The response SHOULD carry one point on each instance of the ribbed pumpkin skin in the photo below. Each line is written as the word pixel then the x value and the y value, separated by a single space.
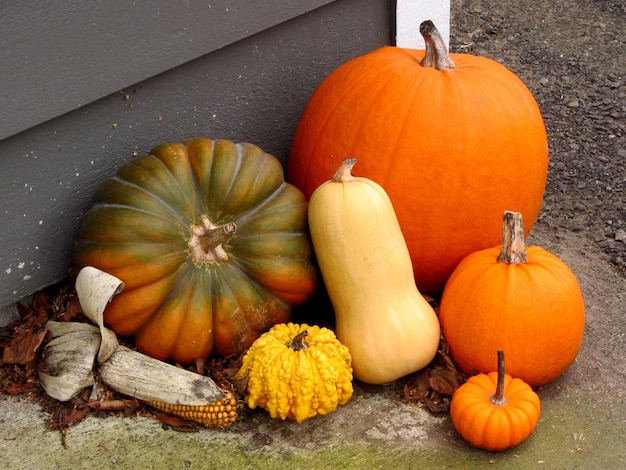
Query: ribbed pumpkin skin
pixel 139 229
pixel 489 426
pixel 459 140
pixel 534 311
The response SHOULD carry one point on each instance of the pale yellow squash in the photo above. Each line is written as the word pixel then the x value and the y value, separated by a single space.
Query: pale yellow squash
pixel 388 326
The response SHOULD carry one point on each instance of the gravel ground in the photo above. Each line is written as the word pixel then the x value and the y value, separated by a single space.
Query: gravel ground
pixel 572 56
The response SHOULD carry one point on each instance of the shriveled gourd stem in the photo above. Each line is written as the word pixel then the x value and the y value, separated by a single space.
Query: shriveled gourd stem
pixel 513 246
pixel 298 343
pixel 343 173
pixel 207 239
pixel 214 237
pixel 511 252
pixel 498 398
pixel 437 55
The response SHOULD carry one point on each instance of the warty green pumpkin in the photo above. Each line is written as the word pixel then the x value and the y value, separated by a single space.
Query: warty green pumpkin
pixel 210 241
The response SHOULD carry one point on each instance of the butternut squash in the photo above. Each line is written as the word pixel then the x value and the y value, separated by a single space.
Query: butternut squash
pixel 388 326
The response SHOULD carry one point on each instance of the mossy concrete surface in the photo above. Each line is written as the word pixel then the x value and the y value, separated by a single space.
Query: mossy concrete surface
pixel 582 424
pixel 576 430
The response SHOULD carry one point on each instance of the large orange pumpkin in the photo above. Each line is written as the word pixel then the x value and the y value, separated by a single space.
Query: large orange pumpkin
pixel 438 138
pixel 525 301
pixel 210 241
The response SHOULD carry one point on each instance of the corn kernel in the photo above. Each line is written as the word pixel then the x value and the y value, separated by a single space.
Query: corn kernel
pixel 216 415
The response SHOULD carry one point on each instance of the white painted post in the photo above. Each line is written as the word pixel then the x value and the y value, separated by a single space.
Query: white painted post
pixel 409 15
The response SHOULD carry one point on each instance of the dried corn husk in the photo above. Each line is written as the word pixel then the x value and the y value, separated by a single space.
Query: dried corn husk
pixel 69 359
pixel 148 379
pixel 77 348
pixel 95 289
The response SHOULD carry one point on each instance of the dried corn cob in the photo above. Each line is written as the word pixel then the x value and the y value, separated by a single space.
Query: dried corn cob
pixel 70 357
pixel 218 415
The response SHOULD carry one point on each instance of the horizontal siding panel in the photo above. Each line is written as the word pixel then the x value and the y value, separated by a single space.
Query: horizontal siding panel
pixel 252 90
pixel 59 55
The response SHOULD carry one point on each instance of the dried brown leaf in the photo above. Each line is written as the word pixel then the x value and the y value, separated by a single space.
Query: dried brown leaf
pixel 437 405
pixel 177 424
pixel 114 405
pixel 444 380
pixel 67 417
pixel 22 350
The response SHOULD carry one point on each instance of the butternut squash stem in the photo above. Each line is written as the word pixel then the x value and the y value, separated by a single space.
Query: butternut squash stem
pixel 498 398
pixel 298 343
pixel 437 55
pixel 343 173
pixel 513 247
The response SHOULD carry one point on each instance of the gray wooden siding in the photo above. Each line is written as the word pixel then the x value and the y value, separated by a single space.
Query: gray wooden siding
pixel 57 56
pixel 86 85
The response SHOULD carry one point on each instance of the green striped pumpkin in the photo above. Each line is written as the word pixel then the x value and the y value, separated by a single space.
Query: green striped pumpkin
pixel 210 241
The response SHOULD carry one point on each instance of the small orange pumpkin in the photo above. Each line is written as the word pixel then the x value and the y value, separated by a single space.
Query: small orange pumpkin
pixel 440 132
pixel 495 411
pixel 525 301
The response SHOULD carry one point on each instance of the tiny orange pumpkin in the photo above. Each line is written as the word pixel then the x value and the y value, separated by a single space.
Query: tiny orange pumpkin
pixel 495 411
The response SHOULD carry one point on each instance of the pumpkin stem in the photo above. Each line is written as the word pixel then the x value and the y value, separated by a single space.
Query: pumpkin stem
pixel 343 173
pixel 207 239
pixel 513 246
pixel 498 398
pixel 298 343
pixel 437 55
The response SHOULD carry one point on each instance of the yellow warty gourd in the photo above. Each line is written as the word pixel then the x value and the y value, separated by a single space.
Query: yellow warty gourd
pixel 297 371
pixel 388 326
